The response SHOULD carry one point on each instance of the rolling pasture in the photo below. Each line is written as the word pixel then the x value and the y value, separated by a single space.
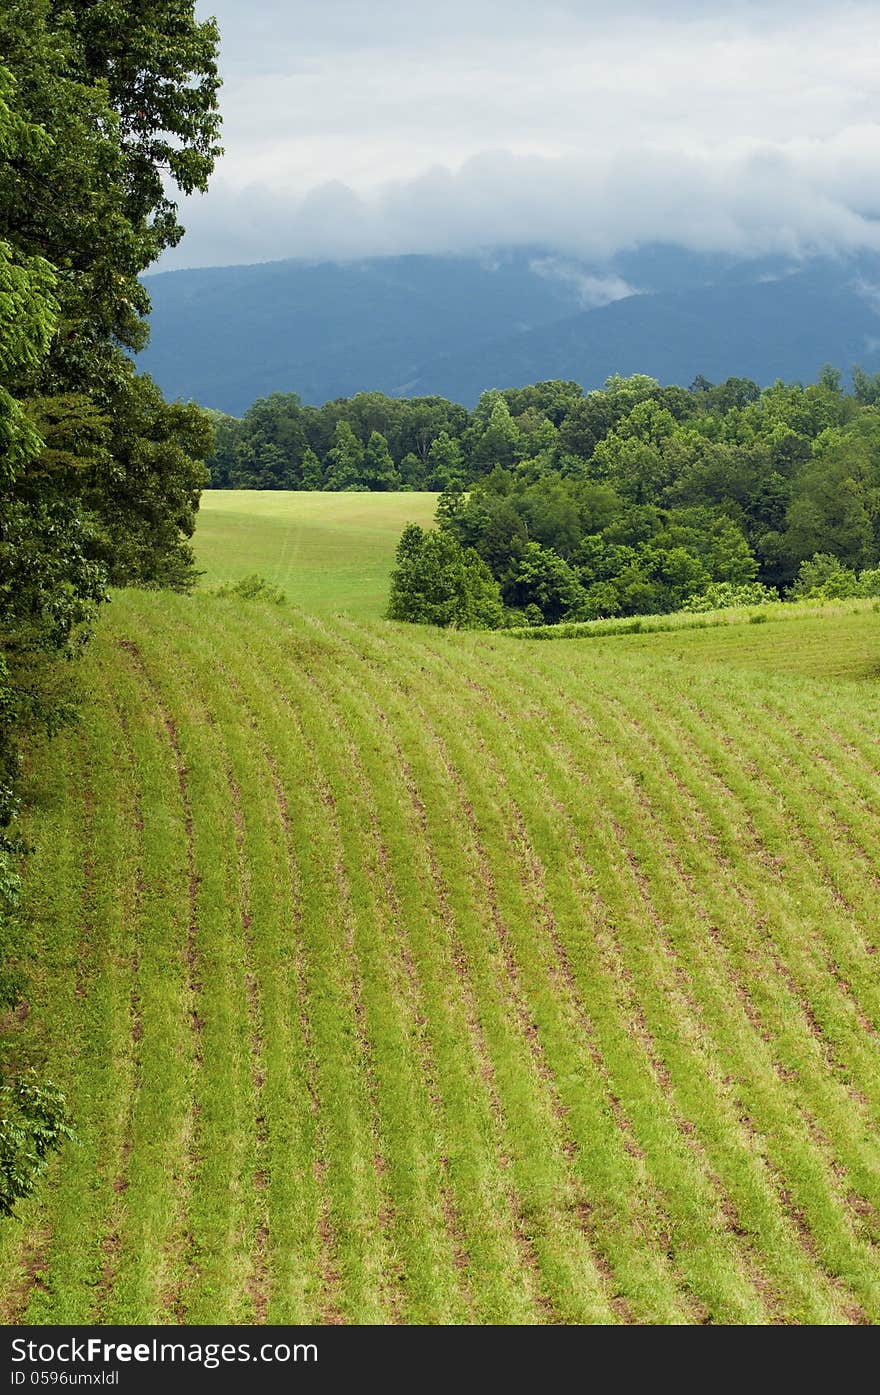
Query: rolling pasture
pixel 327 551
pixel 405 976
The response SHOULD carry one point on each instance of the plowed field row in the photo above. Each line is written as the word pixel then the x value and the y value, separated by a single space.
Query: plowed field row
pixel 396 976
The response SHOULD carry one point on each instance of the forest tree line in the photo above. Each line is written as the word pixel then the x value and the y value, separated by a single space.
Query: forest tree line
pixel 104 109
pixel 559 504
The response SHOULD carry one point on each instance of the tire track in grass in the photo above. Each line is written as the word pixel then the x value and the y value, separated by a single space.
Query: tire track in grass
pixel 180 771
pixel 306 1273
pixel 347 1226
pixel 851 877
pixel 477 1205
pixel 367 1259
pixel 426 1277
pixel 682 996
pixel 852 932
pixel 470 1197
pixel 57 1258
pixel 818 988
pixel 309 1068
pixel 748 1255
pixel 87 1018
pixel 814 848
pixel 738 801
pixel 784 825
pixel 210 1258
pixel 451 1219
pixel 760 909
pixel 638 1031
pixel 230 1222
pixel 529 1035
pixel 848 775
pixel 733 1216
pixel 331 1279
pixel 451 1215
pixel 290 1206
pixel 129 959
pixel 564 1253
pixel 26 1271
pixel 148 1153
pixel 528 1029
pixel 163 717
pixel 527 1258
pixel 387 1295
pixel 565 984
pixel 596 1122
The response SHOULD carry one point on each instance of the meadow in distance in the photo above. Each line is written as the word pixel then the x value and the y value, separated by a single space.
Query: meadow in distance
pixel 404 975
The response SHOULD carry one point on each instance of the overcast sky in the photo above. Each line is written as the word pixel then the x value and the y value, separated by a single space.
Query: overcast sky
pixel 363 127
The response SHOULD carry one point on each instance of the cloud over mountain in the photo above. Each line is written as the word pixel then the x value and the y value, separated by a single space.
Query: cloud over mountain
pixel 355 130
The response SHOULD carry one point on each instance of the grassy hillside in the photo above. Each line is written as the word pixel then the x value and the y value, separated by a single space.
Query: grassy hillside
pixel 805 638
pixel 327 551
pixel 400 976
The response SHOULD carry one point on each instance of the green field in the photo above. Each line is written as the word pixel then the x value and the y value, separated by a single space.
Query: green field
pixel 805 638
pixel 404 976
pixel 326 551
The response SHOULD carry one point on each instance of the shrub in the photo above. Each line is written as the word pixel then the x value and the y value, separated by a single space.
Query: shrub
pixel 252 588
pixel 33 1122
pixel 515 620
pixel 869 582
pixel 722 595
pixel 823 578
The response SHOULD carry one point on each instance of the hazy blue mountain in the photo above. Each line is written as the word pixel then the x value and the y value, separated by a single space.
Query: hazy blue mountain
pixel 226 335
pixel 457 325
pixel 786 328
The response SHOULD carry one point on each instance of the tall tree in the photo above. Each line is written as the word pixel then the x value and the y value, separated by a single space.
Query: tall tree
pixel 345 460
pixel 379 471
pixel 436 581
pixel 104 108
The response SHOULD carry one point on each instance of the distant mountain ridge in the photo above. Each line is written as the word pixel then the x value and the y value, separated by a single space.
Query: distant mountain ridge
pixel 455 326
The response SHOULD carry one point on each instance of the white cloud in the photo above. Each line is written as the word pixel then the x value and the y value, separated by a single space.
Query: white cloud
pixel 361 128
pixel 589 290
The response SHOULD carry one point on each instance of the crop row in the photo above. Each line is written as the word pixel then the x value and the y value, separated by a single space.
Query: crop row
pixel 406 977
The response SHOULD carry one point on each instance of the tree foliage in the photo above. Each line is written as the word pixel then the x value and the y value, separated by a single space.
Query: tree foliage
pixel 105 108
pixel 436 581
pixel 652 496
pixel 33 1122
pixel 642 499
